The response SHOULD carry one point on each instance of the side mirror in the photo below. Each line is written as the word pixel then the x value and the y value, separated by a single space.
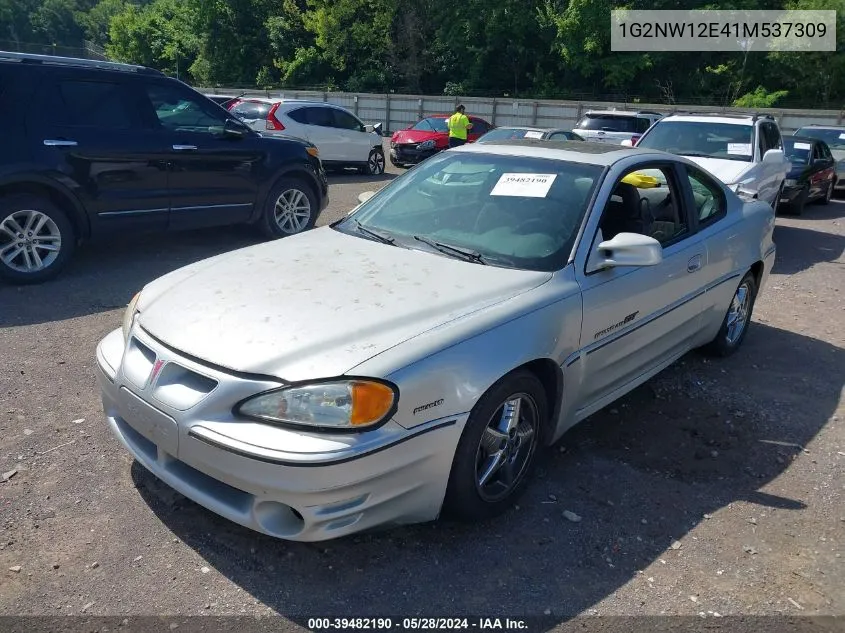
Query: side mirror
pixel 234 129
pixel 364 196
pixel 377 128
pixel 773 156
pixel 627 143
pixel 626 249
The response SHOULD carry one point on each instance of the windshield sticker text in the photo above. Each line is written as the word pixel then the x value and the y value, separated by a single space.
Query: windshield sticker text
pixel 428 406
pixel 525 185
pixel 533 135
pixel 616 326
pixel 802 146
pixel 741 149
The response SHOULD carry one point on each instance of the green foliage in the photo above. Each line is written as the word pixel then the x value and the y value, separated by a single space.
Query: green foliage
pixel 760 98
pixel 526 48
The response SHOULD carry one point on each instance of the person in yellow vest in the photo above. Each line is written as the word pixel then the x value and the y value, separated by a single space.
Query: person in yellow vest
pixel 458 125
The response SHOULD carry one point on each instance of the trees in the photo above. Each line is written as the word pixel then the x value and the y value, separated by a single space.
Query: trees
pixel 527 48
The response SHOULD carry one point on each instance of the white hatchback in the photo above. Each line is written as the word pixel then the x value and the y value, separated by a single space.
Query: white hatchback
pixel 342 138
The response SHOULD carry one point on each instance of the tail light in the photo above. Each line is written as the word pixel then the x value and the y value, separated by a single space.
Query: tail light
pixel 231 104
pixel 272 122
pixel 635 138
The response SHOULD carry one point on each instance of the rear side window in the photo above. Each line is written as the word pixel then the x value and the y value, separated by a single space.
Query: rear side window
pixel 251 110
pixel 300 115
pixel 608 123
pixel 643 125
pixel 91 104
pixel 479 126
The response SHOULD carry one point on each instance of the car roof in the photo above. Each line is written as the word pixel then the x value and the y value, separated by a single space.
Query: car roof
pixel 527 128
pixel 816 126
pixel 801 139
pixel 738 119
pixel 601 154
pixel 621 113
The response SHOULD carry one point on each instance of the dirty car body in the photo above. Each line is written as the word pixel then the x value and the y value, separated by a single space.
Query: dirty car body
pixel 416 355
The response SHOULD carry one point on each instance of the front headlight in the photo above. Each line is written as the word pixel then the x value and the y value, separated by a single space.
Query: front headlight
pixel 129 316
pixel 426 145
pixel 743 192
pixel 789 183
pixel 352 404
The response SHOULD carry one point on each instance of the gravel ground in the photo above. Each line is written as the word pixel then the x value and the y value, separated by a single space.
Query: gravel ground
pixel 716 488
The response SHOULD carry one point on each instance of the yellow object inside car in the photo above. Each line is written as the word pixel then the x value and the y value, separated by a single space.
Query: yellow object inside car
pixel 641 181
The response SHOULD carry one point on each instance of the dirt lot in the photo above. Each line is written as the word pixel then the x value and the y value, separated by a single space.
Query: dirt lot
pixel 717 488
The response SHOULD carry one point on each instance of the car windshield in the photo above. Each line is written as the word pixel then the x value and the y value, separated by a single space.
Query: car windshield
pixel 835 139
pixel 608 123
pixel 798 152
pixel 508 211
pixel 506 133
pixel 728 141
pixel 432 124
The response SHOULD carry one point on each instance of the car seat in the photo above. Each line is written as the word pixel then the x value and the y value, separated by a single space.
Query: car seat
pixel 626 212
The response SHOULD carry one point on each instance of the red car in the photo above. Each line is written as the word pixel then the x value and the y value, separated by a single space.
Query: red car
pixel 427 137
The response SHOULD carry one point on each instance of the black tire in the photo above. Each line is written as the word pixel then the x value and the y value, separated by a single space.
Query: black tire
pixel 724 345
pixel 57 230
pixel 797 207
pixel 467 500
pixel 825 199
pixel 375 163
pixel 275 224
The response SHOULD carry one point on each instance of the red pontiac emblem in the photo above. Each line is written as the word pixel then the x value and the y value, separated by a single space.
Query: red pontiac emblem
pixel 156 369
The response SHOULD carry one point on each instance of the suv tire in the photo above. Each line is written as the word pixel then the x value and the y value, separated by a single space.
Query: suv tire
pixel 375 163
pixel 36 239
pixel 290 208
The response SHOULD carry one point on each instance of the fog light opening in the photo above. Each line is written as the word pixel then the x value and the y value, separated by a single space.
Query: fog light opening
pixel 278 519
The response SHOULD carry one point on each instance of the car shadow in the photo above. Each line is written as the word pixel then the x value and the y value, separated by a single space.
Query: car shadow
pixel 641 474
pixel 104 276
pixel 801 248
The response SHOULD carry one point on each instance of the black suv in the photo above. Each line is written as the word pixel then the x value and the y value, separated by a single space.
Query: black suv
pixel 97 148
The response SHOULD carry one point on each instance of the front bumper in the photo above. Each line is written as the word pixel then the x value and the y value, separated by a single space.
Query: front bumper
pixel 408 154
pixel 287 483
pixel 790 195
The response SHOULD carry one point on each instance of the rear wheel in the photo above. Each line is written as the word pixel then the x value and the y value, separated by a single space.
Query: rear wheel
pixel 737 319
pixel 36 239
pixel 497 451
pixel 290 208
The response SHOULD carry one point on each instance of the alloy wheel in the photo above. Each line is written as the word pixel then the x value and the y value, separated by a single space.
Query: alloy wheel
pixel 506 447
pixel 292 211
pixel 376 163
pixel 30 241
pixel 737 317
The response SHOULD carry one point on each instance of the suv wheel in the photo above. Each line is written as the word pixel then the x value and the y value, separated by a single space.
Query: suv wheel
pixel 291 208
pixel 36 239
pixel 375 163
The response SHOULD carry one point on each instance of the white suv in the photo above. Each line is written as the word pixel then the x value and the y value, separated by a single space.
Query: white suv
pixel 342 139
pixel 614 126
pixel 745 151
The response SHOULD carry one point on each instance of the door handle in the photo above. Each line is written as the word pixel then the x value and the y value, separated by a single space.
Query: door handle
pixel 694 264
pixel 50 142
pixel 184 148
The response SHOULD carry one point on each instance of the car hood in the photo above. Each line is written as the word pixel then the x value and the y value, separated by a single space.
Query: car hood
pixel 728 171
pixel 416 136
pixel 316 304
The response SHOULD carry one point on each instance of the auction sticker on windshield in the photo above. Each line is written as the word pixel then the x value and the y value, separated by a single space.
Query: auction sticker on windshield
pixel 524 185
pixel 802 146
pixel 743 149
pixel 534 135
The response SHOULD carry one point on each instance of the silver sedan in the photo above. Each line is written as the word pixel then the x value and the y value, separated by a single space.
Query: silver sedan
pixel 412 359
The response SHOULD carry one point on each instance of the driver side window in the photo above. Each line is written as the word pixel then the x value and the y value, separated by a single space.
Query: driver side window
pixel 178 110
pixel 710 203
pixel 645 201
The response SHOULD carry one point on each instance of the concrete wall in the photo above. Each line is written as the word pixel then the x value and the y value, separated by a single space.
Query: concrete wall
pixel 399 111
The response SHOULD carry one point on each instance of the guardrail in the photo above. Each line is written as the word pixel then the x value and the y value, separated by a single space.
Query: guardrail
pixel 398 111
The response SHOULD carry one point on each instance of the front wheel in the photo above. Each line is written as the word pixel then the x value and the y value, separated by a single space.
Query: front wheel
pixel 375 163
pixel 497 451
pixel 290 208
pixel 36 239
pixel 829 194
pixel 737 319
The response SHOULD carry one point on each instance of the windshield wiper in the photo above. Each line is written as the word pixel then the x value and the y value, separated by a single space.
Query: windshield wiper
pixel 463 253
pixel 695 154
pixel 381 237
